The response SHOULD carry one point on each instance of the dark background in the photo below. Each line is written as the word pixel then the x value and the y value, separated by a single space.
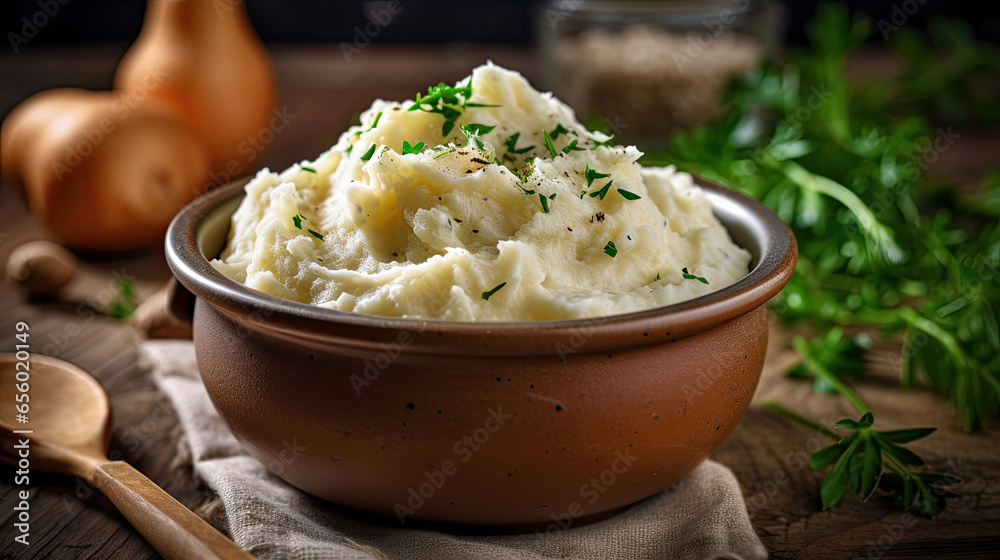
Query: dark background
pixel 442 21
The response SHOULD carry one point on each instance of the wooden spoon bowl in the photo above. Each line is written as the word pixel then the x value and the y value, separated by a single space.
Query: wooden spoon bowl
pixel 68 430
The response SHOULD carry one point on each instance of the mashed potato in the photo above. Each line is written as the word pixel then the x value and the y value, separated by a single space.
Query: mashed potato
pixel 454 207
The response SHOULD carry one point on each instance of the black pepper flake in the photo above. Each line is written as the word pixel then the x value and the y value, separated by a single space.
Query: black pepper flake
pixel 395 254
pixel 558 408
pixel 409 406
pixel 479 160
pixel 467 171
pixel 475 231
pixel 569 228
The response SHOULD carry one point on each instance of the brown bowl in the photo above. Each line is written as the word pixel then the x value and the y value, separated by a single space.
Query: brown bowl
pixel 480 423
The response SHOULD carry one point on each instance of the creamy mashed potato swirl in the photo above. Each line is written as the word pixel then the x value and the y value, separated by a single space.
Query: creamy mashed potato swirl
pixel 466 222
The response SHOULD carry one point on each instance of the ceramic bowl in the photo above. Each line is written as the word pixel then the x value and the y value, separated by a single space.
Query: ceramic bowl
pixel 550 422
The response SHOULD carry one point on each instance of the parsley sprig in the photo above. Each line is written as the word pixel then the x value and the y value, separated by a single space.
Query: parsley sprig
pixel 866 460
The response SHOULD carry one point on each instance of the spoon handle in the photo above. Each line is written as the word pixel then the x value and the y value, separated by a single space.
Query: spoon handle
pixel 173 530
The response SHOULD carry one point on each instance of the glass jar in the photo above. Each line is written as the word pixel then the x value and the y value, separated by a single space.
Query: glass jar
pixel 640 69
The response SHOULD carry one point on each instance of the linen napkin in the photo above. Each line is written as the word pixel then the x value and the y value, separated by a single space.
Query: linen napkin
pixel 701 517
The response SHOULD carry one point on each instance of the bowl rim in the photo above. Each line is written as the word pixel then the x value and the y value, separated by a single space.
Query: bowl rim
pixel 263 312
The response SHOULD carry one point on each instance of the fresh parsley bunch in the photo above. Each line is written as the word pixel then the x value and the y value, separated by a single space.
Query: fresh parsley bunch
pixel 881 247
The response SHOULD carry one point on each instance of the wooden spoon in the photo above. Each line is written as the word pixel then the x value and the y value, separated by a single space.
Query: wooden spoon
pixel 68 431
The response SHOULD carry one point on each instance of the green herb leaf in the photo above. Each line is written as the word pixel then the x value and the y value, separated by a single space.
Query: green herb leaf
pixel 609 143
pixel 610 249
pixel 408 149
pixel 631 196
pixel 685 274
pixel 548 144
pixel 511 142
pixel 545 203
pixel 124 303
pixel 487 295
pixel 906 435
pixel 297 220
pixel 560 129
pixel 602 192
pixel 315 234
pixel 309 169
pixel 368 155
pixel 572 147
pixel 374 124
pixel 444 153
pixel 476 129
pixel 591 175
pixel 658 277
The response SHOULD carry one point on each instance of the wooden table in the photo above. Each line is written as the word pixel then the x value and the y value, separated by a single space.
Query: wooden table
pixel 768 454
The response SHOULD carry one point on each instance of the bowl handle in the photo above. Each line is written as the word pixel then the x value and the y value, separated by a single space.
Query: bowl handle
pixel 180 301
pixel 167 313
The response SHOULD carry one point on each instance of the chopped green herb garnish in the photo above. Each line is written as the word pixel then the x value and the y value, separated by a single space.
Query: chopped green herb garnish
pixel 472 132
pixel 349 148
pixel 525 172
pixel 444 153
pixel 368 155
pixel 309 169
pixel 610 249
pixel 591 175
pixel 449 102
pixel 607 143
pixel 545 202
pixel 572 147
pixel 560 129
pixel 658 277
pixel 548 144
pixel 603 192
pixel 477 129
pixel 408 149
pixel 124 302
pixel 511 141
pixel 297 220
pixel 628 194
pixel 686 274
pixel 315 234
pixel 486 295
pixel 374 124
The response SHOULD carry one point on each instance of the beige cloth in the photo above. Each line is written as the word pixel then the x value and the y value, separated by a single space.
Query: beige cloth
pixel 701 517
